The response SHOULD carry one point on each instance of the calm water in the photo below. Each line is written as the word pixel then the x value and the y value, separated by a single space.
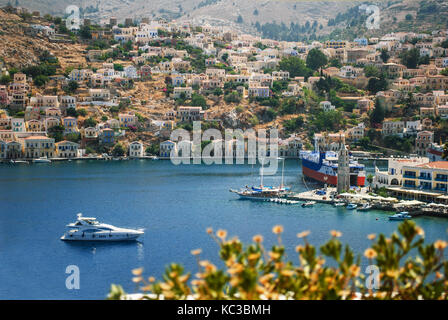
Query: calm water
pixel 175 204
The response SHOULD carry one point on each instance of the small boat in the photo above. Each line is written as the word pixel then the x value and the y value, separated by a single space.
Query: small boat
pixel 339 204
pixel 352 206
pixel 308 204
pixel 18 162
pixel 155 158
pixel 89 229
pixel 42 160
pixel 400 216
pixel 365 207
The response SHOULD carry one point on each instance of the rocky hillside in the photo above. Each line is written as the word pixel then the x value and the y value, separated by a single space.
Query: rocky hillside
pixel 286 20
pixel 21 50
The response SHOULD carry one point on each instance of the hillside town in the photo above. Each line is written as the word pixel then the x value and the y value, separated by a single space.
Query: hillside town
pixel 137 81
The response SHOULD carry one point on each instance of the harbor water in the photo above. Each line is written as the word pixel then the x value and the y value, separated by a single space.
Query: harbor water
pixel 174 204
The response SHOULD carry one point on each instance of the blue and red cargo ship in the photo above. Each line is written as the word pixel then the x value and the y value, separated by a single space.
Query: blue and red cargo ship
pixel 323 167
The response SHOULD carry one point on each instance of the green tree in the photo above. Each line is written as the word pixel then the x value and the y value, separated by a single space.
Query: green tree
pixel 316 59
pixel 197 100
pixel 153 149
pixel 71 87
pixel 85 32
pixel 371 71
pixel 5 79
pixel 118 150
pixel 384 55
pixel 40 80
pixel 377 84
pixel 334 62
pixel 82 112
pixel 295 66
pixel 378 114
pixel 370 180
pixel 410 58
pixel 232 97
pixel 90 122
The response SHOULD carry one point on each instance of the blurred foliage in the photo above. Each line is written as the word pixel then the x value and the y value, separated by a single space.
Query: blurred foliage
pixel 408 269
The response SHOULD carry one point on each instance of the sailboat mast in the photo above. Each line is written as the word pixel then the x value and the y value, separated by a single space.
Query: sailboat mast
pixel 283 168
pixel 262 166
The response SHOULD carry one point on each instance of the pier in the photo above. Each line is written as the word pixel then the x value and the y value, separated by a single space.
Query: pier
pixel 362 196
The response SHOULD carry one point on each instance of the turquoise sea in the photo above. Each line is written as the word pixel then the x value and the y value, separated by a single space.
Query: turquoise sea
pixel 175 205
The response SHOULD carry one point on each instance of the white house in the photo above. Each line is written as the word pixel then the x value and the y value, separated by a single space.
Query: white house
pixel 130 72
pixel 18 125
pixel 326 106
pixel 136 150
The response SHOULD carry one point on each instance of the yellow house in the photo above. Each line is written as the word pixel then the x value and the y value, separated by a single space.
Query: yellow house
pixel 39 146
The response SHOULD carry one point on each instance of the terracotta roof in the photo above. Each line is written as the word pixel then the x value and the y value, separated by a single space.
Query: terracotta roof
pixel 37 137
pixel 435 165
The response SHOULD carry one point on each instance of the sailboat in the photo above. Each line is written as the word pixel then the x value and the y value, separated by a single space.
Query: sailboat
pixel 263 192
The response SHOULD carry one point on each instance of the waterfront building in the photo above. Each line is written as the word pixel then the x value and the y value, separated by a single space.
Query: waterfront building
pixel 39 146
pixel 67 149
pixel 394 174
pixel 136 149
pixel 14 150
pixel 3 148
pixel 166 147
pixel 426 182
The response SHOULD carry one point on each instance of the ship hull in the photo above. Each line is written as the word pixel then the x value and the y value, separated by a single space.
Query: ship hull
pixel 328 179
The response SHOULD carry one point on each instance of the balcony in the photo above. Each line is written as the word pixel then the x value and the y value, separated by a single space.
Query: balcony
pixel 425 177
pixel 441 178
pixel 410 176
pixel 409 185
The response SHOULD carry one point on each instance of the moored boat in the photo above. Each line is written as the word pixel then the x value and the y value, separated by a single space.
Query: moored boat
pixel 89 229
pixel 308 204
pixel 352 206
pixel 365 207
pixel 42 160
pixel 400 216
pixel 339 204
pixel 322 166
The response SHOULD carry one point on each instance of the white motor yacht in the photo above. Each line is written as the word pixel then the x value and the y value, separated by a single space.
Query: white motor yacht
pixel 42 160
pixel 89 229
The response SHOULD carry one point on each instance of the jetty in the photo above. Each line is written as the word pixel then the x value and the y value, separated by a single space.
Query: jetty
pixel 363 196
